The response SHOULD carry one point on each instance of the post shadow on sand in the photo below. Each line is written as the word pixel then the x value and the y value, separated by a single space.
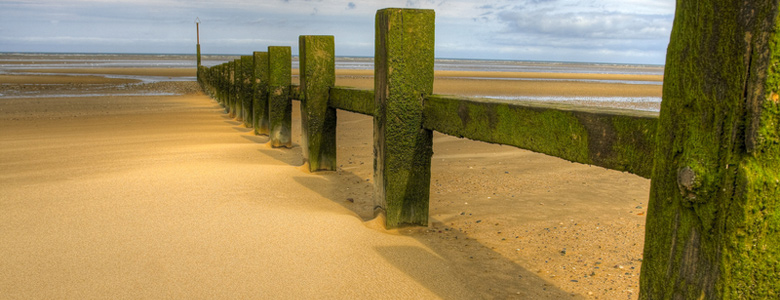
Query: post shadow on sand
pixel 258 139
pixel 508 280
pixel 356 198
pixel 292 156
pixel 242 129
pixel 232 122
pixel 288 156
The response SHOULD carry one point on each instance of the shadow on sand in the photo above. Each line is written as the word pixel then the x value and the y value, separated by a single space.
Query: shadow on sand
pixel 483 271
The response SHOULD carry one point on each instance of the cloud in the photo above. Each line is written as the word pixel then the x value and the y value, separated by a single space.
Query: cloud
pixel 499 29
pixel 605 30
pixel 598 25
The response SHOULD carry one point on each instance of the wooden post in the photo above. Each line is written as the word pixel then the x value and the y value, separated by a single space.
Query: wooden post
pixel 197 51
pixel 403 77
pixel 197 48
pixel 197 34
pixel 232 89
pixel 222 81
pixel 238 85
pixel 260 96
pixel 247 88
pixel 279 104
pixel 713 221
pixel 318 121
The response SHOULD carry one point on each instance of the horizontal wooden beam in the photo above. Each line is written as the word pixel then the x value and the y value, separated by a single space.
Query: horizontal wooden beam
pixel 613 139
pixel 345 98
pixel 610 138
pixel 354 100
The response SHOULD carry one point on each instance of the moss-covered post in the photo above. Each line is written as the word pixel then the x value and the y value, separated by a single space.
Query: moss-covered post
pixel 403 77
pixel 260 96
pixel 239 86
pixel 713 222
pixel 226 87
pixel 247 88
pixel 232 89
pixel 279 104
pixel 222 74
pixel 197 50
pixel 220 82
pixel 318 121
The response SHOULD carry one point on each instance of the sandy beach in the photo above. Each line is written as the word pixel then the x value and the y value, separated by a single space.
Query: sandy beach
pixel 118 188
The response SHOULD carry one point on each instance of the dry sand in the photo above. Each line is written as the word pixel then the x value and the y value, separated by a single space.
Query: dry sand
pixel 166 197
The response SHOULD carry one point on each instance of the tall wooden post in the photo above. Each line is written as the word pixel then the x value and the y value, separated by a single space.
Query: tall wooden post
pixel 713 222
pixel 403 77
pixel 247 88
pixel 279 104
pixel 197 30
pixel 318 121
pixel 260 96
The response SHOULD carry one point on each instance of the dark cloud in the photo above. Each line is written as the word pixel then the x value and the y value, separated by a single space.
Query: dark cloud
pixel 351 5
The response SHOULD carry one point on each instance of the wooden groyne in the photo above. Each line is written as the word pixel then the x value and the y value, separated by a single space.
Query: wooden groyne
pixel 406 113
pixel 713 223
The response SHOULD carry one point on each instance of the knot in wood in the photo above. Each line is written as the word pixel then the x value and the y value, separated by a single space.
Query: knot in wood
pixel 686 182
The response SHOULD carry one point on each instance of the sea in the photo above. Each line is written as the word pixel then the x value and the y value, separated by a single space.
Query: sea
pixel 12 63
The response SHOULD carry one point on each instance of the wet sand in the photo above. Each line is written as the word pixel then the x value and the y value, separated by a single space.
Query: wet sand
pixel 165 196
pixel 545 85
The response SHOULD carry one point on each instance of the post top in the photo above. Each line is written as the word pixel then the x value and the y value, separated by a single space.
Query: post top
pixel 407 9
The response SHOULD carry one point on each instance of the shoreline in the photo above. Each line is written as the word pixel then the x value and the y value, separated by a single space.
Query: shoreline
pixel 574 89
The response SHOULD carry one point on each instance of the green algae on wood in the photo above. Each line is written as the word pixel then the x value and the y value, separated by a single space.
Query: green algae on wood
pixel 224 81
pixel 403 77
pixel 197 53
pixel 247 88
pixel 238 84
pixel 351 99
pixel 713 221
pixel 232 89
pixel 222 86
pixel 260 96
pixel 618 140
pixel 295 92
pixel 318 121
pixel 279 104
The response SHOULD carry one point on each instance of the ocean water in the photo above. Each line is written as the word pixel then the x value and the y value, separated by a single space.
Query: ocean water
pixel 12 63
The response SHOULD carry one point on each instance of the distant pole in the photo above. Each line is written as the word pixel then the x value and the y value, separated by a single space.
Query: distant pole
pixel 197 31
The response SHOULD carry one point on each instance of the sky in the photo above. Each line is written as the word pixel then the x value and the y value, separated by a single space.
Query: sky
pixel 608 31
